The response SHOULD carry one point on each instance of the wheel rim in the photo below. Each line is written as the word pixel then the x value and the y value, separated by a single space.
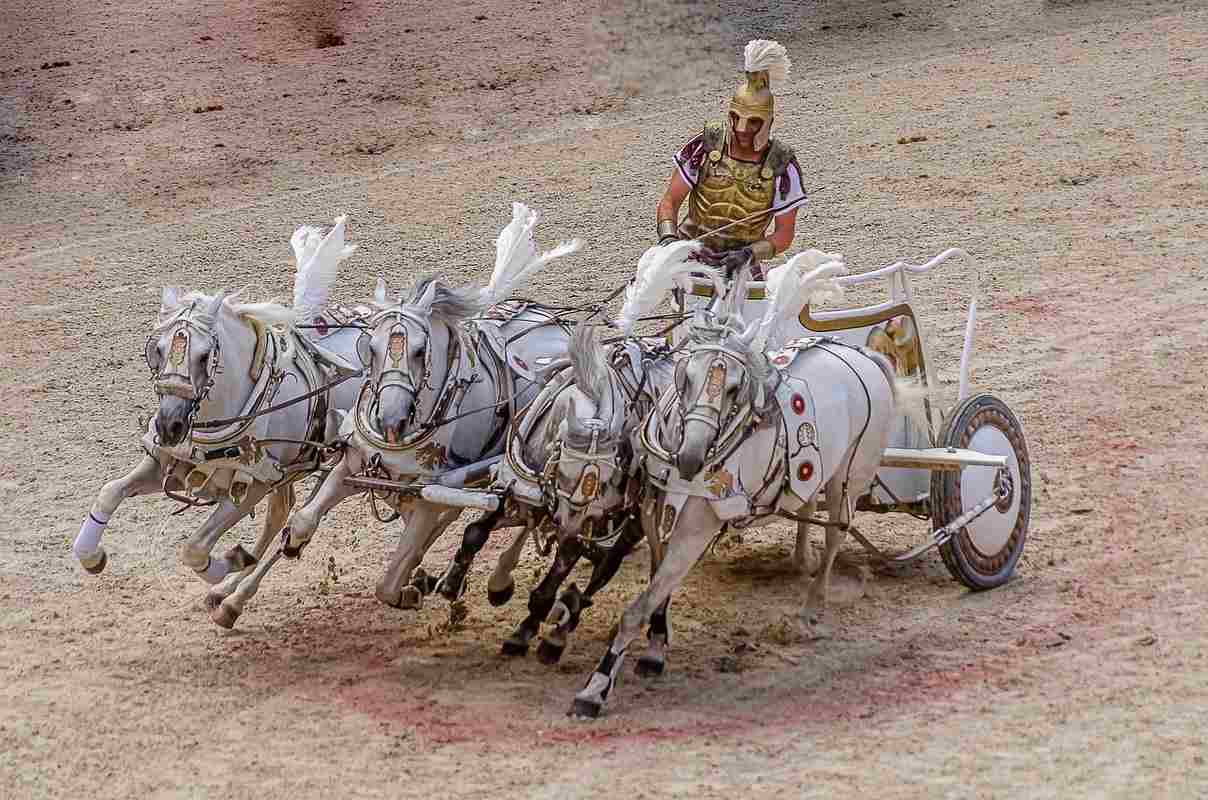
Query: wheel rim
pixel 991 532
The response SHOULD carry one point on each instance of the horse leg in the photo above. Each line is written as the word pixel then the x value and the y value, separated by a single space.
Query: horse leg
pixel 196 553
pixel 696 527
pixel 226 606
pixel 501 585
pixel 815 601
pixel 453 583
pixel 230 609
pixel 541 601
pixel 424 525
pixel 803 563
pixel 653 662
pixel 279 504
pixel 143 479
pixel 568 611
pixel 304 522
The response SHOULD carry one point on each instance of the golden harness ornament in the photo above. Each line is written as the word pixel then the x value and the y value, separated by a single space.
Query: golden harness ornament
pixel 180 345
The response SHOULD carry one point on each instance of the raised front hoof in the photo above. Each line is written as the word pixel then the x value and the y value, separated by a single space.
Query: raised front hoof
pixel 514 646
pixel 585 709
pixel 224 616
pixel 501 597
pixel 647 667
pixel 549 653
pixel 95 566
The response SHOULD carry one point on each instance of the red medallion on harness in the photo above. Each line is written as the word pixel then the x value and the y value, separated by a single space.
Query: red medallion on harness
pixel 805 471
pixel 798 404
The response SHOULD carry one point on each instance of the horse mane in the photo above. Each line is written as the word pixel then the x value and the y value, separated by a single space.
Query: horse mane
pixel 589 361
pixel 270 312
pixel 757 360
pixel 452 306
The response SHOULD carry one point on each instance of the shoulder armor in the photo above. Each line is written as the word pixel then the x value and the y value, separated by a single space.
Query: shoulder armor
pixel 780 155
pixel 714 136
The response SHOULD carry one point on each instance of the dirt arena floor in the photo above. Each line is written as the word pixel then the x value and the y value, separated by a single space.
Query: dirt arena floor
pixel 173 142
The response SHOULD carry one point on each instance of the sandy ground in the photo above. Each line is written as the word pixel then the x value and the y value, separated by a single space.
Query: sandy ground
pixel 1064 150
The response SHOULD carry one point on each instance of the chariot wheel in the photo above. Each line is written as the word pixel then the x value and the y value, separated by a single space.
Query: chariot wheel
pixel 983 554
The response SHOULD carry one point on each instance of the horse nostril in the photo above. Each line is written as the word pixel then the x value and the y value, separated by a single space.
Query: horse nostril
pixel 176 430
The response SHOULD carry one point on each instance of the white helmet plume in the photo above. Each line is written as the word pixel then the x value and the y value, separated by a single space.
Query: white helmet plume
pixel 765 55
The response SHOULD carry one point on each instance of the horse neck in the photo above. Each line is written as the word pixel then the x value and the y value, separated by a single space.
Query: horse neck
pixel 232 384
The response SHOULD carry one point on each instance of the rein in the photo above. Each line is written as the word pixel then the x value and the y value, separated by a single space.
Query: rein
pixel 221 423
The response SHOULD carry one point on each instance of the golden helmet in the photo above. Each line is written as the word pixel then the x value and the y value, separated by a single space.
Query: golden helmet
pixel 763 61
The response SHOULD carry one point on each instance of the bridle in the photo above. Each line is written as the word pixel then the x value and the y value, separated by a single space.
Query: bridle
pixel 595 467
pixel 172 374
pixel 708 405
pixel 395 370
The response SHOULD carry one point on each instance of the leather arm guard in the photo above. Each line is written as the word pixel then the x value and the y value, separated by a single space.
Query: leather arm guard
pixel 667 231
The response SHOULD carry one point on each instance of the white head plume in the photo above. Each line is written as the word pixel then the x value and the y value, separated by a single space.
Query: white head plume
pixel 765 54
pixel 516 256
pixel 791 285
pixel 660 269
pixel 318 258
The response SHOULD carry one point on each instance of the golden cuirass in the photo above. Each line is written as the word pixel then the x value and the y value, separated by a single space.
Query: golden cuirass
pixel 728 190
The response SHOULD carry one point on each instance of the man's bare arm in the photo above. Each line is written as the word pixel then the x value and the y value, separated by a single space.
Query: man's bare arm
pixel 668 208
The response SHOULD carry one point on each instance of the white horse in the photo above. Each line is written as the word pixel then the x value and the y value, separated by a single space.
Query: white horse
pixel 443 382
pixel 568 473
pixel 246 408
pixel 742 437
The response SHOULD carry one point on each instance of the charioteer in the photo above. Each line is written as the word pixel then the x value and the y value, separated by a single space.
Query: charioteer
pixel 736 178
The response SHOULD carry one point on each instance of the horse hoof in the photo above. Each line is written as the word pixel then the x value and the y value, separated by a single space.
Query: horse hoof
pixel 239 559
pixel 550 654
pixel 649 667
pixel 559 615
pixel 585 709
pixel 386 598
pixel 213 600
pixel 224 616
pixel 514 647
pixel 452 585
pixel 410 598
pixel 501 597
pixel 96 567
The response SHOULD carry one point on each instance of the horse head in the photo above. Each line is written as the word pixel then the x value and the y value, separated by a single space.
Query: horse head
pixel 200 354
pixel 721 380
pixel 407 351
pixel 726 384
pixel 588 481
